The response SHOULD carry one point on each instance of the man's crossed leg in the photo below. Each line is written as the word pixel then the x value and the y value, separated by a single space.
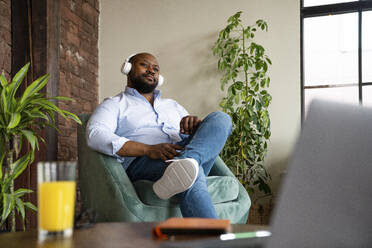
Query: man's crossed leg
pixel 186 174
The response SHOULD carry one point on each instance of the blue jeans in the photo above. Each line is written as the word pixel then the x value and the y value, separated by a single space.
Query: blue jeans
pixel 203 146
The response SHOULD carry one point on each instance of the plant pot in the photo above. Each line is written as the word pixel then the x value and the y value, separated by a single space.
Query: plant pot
pixel 260 213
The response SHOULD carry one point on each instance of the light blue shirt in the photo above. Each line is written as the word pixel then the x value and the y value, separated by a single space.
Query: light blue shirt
pixel 129 116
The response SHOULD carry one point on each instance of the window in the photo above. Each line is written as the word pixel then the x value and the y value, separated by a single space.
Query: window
pixel 308 3
pixel 336 51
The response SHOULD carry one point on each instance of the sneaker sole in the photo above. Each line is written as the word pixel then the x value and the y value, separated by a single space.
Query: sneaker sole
pixel 178 177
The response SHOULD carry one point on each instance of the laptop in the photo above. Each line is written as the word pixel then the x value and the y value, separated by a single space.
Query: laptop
pixel 326 197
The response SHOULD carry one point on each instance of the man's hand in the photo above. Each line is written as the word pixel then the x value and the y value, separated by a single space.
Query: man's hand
pixel 162 151
pixel 189 124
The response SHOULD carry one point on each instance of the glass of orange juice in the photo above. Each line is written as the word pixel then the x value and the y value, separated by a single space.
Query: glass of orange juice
pixel 56 198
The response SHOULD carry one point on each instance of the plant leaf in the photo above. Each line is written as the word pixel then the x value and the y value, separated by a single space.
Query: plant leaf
pixel 3 81
pixel 20 165
pixel 2 122
pixel 14 120
pixel 50 106
pixel 2 156
pixel 16 81
pixel 37 114
pixel 30 206
pixel 30 136
pixel 20 206
pixel 7 206
pixel 4 101
pixel 72 116
pixel 21 192
pixel 33 88
pixel 63 98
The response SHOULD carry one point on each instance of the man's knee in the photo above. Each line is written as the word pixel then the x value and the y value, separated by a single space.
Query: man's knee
pixel 222 118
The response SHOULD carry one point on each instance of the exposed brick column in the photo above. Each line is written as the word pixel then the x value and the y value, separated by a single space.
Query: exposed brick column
pixel 5 38
pixel 75 66
pixel 78 77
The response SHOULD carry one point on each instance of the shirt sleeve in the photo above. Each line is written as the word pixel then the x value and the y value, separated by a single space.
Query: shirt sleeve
pixel 101 127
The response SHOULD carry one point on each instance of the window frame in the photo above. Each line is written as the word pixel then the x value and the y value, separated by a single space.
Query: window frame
pixel 333 9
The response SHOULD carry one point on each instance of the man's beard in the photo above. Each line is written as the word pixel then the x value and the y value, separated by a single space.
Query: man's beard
pixel 142 86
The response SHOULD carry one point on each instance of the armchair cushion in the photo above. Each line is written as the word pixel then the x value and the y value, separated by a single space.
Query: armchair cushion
pixel 221 189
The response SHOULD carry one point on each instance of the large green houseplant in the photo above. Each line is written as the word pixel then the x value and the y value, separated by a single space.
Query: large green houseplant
pixel 244 65
pixel 20 119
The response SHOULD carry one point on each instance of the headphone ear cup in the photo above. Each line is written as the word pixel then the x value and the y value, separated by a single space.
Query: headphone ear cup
pixel 127 66
pixel 160 80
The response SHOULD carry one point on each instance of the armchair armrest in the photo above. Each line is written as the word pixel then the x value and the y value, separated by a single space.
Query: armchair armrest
pixel 220 168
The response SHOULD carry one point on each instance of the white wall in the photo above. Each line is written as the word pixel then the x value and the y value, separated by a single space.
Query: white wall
pixel 181 35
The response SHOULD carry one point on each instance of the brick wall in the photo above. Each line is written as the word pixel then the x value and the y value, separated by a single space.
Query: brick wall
pixel 78 76
pixel 78 64
pixel 5 38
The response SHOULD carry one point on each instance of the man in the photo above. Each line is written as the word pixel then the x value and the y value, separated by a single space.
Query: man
pixel 155 139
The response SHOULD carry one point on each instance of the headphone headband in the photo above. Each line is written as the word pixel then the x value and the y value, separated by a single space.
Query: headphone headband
pixel 130 56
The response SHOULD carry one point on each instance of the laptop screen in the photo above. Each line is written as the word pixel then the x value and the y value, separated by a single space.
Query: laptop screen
pixel 326 198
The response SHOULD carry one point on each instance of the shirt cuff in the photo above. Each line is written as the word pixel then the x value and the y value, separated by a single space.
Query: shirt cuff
pixel 117 145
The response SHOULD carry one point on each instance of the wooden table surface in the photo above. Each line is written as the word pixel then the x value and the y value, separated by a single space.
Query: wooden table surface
pixel 108 235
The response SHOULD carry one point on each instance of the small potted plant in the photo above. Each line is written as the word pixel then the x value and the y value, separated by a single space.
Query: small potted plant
pixel 20 119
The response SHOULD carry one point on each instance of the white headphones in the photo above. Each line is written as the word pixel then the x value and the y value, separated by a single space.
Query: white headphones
pixel 127 66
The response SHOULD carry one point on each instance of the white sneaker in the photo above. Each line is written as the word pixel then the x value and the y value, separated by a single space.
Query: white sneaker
pixel 179 176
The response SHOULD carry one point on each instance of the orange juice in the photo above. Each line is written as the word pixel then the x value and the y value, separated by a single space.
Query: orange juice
pixel 56 205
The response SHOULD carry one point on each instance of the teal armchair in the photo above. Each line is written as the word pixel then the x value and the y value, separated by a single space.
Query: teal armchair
pixel 106 188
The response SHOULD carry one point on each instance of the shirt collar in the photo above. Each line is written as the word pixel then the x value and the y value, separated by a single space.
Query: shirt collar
pixel 134 92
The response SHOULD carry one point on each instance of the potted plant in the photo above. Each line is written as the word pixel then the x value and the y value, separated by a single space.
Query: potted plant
pixel 20 119
pixel 244 65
